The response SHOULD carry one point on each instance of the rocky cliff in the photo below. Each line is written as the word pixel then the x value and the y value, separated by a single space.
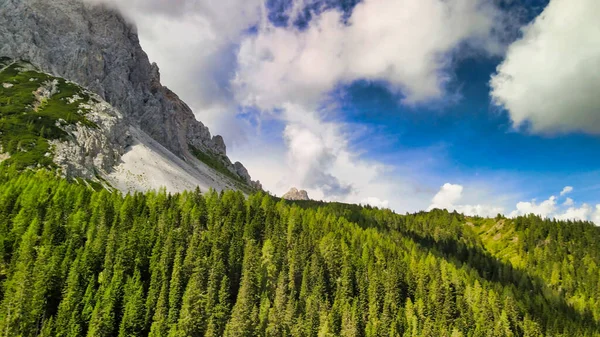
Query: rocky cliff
pixel 95 47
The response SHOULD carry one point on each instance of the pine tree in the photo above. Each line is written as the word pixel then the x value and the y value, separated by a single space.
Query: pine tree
pixel 192 318
pixel 220 314
pixel 244 316
pixel 176 289
pixel 18 291
pixel 132 322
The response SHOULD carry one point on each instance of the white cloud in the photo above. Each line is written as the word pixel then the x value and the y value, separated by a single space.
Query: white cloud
pixel 316 156
pixel 596 216
pixel 582 213
pixel 450 194
pixel 567 211
pixel 486 211
pixel 376 202
pixel 406 43
pixel 451 197
pixel 543 209
pixel 566 190
pixel 550 77
pixel 313 148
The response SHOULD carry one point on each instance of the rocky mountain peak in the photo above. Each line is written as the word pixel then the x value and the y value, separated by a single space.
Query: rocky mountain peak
pixel 94 46
pixel 295 194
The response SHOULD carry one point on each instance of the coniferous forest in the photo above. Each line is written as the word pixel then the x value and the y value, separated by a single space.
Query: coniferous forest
pixel 75 261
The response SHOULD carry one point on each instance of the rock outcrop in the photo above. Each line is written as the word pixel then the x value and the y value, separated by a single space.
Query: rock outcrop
pixel 97 48
pixel 243 173
pixel 93 152
pixel 86 136
pixel 295 194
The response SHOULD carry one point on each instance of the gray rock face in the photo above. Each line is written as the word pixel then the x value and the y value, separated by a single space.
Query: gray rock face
pixel 243 173
pixel 295 194
pixel 95 47
pixel 218 145
pixel 91 152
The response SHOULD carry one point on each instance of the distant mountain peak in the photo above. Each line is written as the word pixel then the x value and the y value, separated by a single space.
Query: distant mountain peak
pixel 295 194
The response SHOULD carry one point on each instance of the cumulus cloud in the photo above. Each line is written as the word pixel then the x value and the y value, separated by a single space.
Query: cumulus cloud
pixel 312 151
pixel 376 202
pixel 596 216
pixel 582 213
pixel 450 194
pixel 406 44
pixel 316 155
pixel 566 190
pixel 543 209
pixel 550 208
pixel 549 78
pixel 451 198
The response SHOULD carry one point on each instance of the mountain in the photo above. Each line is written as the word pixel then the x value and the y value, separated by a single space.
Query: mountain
pixel 79 262
pixel 83 115
pixel 294 194
pixel 95 48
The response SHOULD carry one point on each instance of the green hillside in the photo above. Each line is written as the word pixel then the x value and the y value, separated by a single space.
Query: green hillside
pixel 34 109
pixel 78 262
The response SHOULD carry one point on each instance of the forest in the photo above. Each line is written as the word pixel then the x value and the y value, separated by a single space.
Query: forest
pixel 79 261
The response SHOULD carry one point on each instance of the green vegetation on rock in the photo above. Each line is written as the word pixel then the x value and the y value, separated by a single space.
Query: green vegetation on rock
pixel 214 162
pixel 79 262
pixel 29 118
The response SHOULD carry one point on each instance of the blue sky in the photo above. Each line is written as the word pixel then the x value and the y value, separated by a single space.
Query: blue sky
pixel 470 105
pixel 472 136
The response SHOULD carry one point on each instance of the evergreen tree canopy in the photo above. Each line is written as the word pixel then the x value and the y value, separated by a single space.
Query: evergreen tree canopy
pixel 79 262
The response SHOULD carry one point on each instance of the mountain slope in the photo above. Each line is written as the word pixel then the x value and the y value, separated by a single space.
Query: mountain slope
pixel 78 262
pixel 96 48
pixel 148 165
pixel 565 255
pixel 48 122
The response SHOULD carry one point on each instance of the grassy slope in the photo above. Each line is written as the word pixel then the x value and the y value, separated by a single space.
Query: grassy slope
pixel 25 131
pixel 216 164
pixel 564 256
pixel 500 238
